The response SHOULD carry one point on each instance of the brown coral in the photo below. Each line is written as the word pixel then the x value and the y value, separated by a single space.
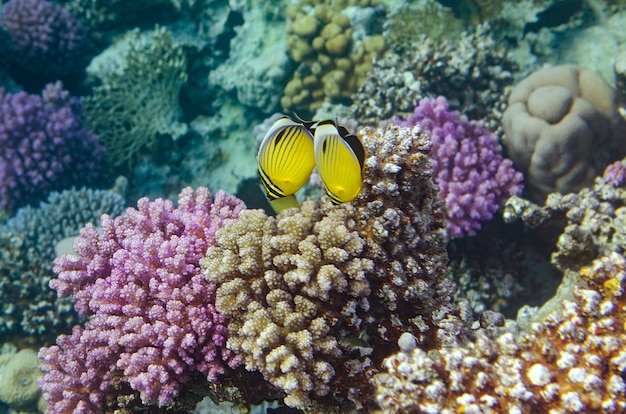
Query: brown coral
pixel 571 361
pixel 592 222
pixel 363 272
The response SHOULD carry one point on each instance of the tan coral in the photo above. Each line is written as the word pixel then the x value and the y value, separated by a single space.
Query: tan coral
pixel 573 360
pixel 562 128
pixel 332 64
pixel 278 321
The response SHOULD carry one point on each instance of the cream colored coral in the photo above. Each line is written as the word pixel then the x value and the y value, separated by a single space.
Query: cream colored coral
pixel 274 276
pixel 19 373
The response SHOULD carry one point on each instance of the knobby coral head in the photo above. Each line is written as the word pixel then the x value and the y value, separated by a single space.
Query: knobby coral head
pixel 152 313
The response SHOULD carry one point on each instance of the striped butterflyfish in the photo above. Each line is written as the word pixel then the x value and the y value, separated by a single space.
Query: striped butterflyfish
pixel 339 157
pixel 285 161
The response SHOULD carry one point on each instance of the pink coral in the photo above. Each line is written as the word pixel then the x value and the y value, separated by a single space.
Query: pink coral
pixel 152 312
pixel 473 177
pixel 615 173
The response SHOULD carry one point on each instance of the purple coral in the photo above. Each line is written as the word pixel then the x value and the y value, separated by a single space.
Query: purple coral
pixel 152 314
pixel 48 40
pixel 45 146
pixel 468 167
pixel 615 173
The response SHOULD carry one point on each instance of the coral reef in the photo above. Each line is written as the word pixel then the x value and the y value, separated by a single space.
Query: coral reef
pixel 47 39
pixel 333 56
pixel 19 389
pixel 562 128
pixel 61 216
pixel 472 73
pixel 151 313
pixel 570 360
pixel 110 14
pixel 473 178
pixel 138 103
pixel 257 67
pixel 593 221
pixel 436 22
pixel 45 146
pixel 29 309
pixel 294 284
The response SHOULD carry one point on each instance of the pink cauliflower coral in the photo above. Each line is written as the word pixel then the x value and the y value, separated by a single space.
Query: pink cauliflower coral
pixel 473 177
pixel 152 314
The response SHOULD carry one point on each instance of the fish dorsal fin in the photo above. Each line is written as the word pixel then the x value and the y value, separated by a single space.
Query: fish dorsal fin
pixel 309 125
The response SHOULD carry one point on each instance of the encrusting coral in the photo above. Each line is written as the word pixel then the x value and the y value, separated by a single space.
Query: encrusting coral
pixel 292 285
pixel 19 372
pixel 573 360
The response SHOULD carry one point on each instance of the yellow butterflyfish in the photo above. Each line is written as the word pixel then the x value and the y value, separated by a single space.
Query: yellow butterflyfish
pixel 339 157
pixel 285 161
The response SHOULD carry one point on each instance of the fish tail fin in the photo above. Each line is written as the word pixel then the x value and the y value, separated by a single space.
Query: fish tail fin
pixel 283 203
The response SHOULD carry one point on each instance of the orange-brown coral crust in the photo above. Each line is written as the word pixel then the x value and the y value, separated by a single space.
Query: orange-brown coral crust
pixel 571 361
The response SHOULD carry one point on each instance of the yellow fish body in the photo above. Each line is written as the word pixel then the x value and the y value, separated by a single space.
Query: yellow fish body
pixel 285 161
pixel 339 157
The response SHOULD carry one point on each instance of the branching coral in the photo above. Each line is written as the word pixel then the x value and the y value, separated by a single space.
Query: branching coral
pixel 152 317
pixel 29 309
pixel 293 284
pixel 473 177
pixel 45 146
pixel 472 73
pixel 136 105
pixel 48 40
pixel 570 361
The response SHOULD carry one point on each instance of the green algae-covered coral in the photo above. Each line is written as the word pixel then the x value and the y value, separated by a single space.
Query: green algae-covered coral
pixel 106 14
pixel 410 21
pixel 312 292
pixel 139 102
pixel 19 373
